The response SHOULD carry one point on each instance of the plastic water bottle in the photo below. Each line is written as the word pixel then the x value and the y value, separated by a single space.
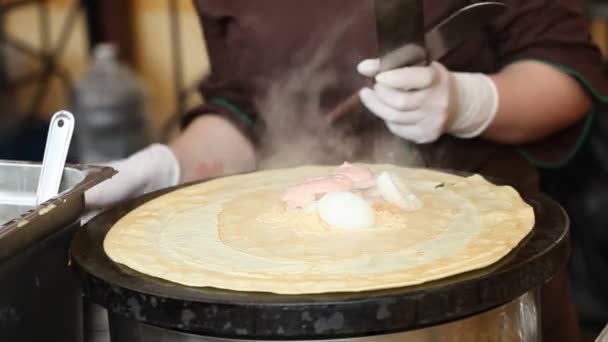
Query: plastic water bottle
pixel 109 106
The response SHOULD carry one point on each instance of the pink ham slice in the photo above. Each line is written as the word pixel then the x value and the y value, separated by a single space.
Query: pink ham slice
pixel 346 178
pixel 362 177
pixel 302 195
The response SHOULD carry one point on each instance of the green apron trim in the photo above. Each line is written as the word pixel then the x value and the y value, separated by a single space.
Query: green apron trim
pixel 230 106
pixel 572 72
pixel 597 97
pixel 569 156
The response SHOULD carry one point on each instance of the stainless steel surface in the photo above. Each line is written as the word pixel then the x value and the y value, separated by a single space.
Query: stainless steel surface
pixel 18 187
pixel 400 31
pixel 58 141
pixel 96 326
pixel 603 335
pixel 40 295
pixel 22 223
pixel 460 26
pixel 517 321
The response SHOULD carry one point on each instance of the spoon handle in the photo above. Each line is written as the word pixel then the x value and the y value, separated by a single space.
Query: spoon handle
pixel 58 142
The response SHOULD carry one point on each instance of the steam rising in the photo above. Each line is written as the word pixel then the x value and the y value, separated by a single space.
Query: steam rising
pixel 297 133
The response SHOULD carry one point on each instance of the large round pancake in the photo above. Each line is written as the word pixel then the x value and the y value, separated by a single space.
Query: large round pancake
pixel 232 233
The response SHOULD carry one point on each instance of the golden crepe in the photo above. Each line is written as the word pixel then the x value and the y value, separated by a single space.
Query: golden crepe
pixel 235 233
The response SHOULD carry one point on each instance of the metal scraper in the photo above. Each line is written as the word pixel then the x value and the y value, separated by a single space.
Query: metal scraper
pixel 401 36
pixel 400 32
pixel 460 26
pixel 400 24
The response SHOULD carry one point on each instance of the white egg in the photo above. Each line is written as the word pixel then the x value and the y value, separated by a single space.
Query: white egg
pixel 395 192
pixel 346 210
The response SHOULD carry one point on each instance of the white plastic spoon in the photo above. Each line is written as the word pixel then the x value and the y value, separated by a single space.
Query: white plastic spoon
pixel 58 142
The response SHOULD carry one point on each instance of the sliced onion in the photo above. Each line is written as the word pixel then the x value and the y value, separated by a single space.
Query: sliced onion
pixel 311 207
pixel 396 193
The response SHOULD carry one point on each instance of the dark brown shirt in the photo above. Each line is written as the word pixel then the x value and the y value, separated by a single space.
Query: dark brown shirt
pixel 282 63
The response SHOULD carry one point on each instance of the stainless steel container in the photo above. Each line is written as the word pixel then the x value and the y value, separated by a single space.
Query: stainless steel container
pixel 40 297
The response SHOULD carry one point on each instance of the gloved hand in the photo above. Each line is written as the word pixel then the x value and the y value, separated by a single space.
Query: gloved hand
pixel 148 170
pixel 422 103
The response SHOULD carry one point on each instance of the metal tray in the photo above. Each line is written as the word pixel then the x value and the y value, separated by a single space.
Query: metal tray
pixel 22 223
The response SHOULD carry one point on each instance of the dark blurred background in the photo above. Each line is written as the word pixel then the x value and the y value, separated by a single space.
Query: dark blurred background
pixel 52 57
pixel 46 49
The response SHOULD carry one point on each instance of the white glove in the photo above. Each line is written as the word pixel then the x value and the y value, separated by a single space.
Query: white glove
pixel 422 103
pixel 148 170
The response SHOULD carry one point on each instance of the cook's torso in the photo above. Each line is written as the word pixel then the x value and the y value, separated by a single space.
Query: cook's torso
pixel 303 52
pixel 264 39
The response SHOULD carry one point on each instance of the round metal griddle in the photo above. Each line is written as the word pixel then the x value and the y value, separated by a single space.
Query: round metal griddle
pixel 228 314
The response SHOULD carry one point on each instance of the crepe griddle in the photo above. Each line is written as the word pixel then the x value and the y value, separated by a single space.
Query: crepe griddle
pixel 244 315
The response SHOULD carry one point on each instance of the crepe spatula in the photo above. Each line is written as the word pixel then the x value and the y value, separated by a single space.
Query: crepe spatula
pixel 401 46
